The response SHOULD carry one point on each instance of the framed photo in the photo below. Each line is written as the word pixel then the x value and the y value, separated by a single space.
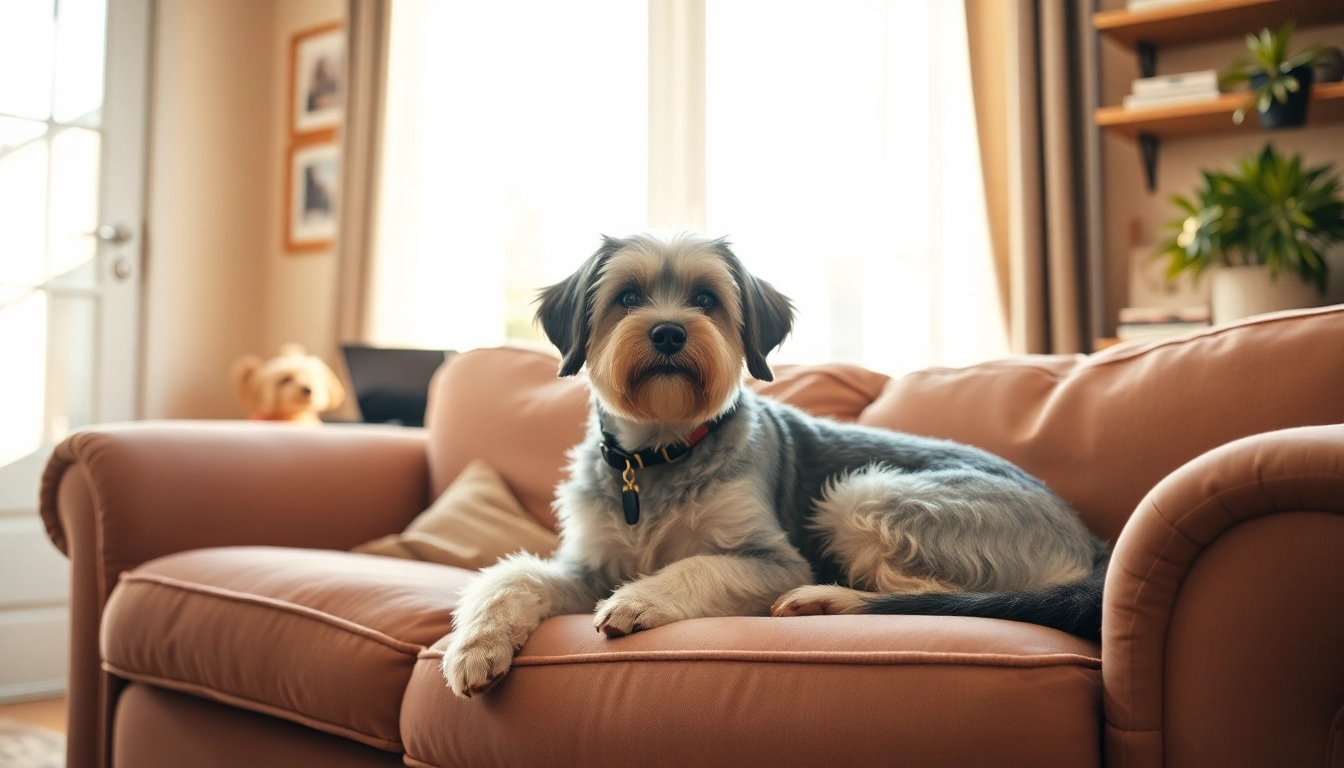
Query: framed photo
pixel 317 79
pixel 313 194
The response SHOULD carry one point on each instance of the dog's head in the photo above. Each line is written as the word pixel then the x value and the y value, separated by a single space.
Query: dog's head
pixel 665 326
pixel 287 386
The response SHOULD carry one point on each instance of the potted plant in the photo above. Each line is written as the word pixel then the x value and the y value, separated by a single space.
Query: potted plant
pixel 1263 229
pixel 1280 84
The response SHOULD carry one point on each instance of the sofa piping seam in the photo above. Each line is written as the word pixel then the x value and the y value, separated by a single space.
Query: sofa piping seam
pixel 856 658
pixel 276 604
pixel 1209 333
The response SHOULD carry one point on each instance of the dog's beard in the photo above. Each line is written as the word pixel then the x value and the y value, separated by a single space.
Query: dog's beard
pixel 668 392
pixel 656 371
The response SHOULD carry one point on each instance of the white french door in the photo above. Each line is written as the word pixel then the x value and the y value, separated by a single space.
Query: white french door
pixel 74 80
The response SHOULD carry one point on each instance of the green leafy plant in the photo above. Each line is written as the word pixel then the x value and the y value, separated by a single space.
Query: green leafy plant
pixel 1269 58
pixel 1269 210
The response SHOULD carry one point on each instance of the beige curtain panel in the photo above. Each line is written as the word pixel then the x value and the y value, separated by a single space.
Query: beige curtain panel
pixel 367 24
pixel 1030 81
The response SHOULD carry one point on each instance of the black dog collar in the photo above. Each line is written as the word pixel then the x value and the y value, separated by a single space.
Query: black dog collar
pixel 629 461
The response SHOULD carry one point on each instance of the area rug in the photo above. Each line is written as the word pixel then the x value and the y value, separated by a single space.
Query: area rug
pixel 27 746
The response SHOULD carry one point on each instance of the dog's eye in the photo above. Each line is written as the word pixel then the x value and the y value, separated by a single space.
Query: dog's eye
pixel 286 380
pixel 704 300
pixel 630 299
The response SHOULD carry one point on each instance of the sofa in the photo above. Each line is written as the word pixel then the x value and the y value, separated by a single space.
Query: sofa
pixel 218 620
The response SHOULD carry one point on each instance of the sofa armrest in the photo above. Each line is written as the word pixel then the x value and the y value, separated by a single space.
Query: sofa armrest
pixel 116 496
pixel 1224 610
pixel 158 488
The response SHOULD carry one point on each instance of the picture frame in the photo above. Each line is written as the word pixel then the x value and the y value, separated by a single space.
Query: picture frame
pixel 312 193
pixel 317 79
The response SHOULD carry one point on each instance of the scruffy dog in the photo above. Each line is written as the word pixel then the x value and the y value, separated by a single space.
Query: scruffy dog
pixel 691 496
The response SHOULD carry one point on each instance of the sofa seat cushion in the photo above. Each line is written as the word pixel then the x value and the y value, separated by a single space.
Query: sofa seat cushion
pixel 812 690
pixel 327 639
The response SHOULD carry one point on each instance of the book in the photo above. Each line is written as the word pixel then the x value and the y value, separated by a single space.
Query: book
pixel 1204 79
pixel 1131 331
pixel 1149 315
pixel 1140 5
pixel 1133 102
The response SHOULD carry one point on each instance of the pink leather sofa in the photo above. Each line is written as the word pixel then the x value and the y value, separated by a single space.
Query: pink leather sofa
pixel 217 621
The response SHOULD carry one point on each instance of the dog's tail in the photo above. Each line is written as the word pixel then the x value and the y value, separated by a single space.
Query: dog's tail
pixel 1074 607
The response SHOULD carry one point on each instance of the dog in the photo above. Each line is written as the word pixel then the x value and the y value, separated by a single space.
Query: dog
pixel 293 386
pixel 691 496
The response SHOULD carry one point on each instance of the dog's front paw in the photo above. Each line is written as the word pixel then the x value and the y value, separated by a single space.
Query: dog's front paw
pixel 625 612
pixel 474 664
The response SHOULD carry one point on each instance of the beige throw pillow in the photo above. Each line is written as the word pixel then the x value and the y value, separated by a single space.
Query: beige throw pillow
pixel 473 524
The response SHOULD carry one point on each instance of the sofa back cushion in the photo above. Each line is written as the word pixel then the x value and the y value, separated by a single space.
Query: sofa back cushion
pixel 1101 431
pixel 508 406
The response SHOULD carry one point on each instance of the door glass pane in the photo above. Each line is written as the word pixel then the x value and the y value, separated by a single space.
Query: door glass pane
pixel 74 207
pixel 23 202
pixel 70 364
pixel 23 347
pixel 80 47
pixel 15 133
pixel 27 41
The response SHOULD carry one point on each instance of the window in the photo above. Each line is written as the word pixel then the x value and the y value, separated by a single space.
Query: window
pixel 839 155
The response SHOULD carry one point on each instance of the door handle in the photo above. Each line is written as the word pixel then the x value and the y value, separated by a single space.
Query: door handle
pixel 116 234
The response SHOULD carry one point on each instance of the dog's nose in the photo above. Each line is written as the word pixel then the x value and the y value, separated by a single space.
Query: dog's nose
pixel 668 338
pixel 306 390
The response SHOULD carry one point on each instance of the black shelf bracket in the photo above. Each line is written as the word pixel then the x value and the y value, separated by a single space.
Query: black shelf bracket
pixel 1148 148
pixel 1147 58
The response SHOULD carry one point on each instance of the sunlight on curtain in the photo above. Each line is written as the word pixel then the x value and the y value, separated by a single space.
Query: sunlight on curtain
pixel 843 163
pixel 515 134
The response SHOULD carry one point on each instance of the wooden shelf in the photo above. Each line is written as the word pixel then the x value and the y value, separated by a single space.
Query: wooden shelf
pixel 1212 19
pixel 1327 106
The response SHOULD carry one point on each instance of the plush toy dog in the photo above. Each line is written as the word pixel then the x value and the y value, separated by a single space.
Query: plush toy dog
pixel 295 386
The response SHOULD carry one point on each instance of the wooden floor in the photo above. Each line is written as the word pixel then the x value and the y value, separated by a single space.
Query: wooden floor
pixel 47 714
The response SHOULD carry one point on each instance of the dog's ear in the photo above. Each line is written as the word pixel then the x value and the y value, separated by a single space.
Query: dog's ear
pixel 563 311
pixel 243 371
pixel 767 314
pixel 335 389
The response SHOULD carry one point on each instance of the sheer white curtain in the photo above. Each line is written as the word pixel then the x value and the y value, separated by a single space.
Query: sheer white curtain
pixel 842 160
pixel 838 153
pixel 515 133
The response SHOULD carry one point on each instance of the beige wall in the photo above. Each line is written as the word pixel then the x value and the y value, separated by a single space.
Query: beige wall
pixel 1128 203
pixel 218 283
pixel 209 159
pixel 301 289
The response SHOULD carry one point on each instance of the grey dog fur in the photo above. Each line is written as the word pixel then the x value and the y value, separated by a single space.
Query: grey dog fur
pixel 771 501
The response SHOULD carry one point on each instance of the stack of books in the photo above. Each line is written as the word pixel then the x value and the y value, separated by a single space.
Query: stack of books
pixel 1143 5
pixel 1166 90
pixel 1153 323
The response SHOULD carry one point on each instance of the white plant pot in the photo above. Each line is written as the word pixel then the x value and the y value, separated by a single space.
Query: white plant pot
pixel 1244 291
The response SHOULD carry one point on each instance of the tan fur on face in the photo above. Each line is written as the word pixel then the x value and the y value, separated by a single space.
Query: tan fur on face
pixel 620 355
pixel 293 386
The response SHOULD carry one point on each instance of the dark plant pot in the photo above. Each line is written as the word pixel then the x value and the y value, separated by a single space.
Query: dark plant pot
pixel 1293 112
pixel 1330 66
